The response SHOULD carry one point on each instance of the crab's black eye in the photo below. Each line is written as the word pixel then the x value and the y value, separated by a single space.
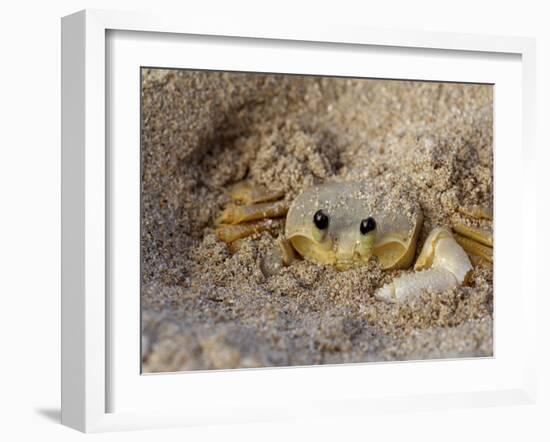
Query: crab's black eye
pixel 320 219
pixel 367 225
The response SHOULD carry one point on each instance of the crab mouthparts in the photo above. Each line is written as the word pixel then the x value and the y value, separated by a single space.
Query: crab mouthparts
pixel 344 264
pixel 346 252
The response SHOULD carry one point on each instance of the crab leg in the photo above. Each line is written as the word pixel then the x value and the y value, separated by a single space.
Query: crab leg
pixel 477 212
pixel 247 194
pixel 442 264
pixel 475 248
pixel 239 214
pixel 478 242
pixel 479 261
pixel 474 233
pixel 232 232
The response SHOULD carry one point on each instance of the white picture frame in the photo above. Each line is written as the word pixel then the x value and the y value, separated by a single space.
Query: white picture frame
pixel 89 363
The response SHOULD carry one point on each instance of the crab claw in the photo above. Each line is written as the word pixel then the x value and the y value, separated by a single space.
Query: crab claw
pixel 442 264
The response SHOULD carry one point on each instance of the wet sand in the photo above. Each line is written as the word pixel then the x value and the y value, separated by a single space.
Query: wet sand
pixel 205 306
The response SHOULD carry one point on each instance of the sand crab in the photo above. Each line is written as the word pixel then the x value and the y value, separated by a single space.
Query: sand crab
pixel 348 224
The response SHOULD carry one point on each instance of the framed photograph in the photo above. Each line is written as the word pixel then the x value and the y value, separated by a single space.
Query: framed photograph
pixel 265 222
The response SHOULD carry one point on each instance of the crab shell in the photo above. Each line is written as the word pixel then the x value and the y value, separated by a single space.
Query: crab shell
pixel 398 222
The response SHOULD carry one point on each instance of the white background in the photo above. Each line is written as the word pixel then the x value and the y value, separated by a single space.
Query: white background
pixel 30 217
pixel 263 391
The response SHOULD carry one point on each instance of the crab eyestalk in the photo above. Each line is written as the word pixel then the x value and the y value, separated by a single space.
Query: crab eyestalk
pixel 319 229
pixel 367 228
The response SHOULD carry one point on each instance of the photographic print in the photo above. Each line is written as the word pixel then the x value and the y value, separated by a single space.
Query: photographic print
pixel 298 220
